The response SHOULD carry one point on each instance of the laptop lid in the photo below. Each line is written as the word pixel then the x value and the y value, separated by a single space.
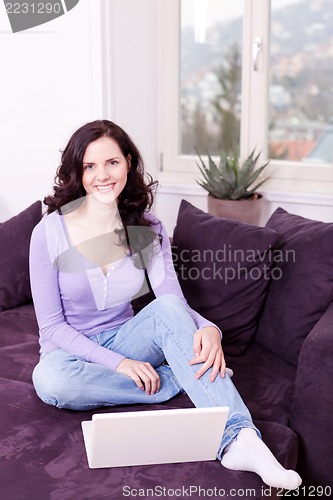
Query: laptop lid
pixel 154 436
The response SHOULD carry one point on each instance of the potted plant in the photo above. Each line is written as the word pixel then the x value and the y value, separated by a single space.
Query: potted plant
pixel 232 186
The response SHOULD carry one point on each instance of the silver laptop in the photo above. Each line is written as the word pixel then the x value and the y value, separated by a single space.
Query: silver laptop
pixel 154 436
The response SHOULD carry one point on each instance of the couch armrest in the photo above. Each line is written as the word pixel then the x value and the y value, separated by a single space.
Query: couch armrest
pixel 312 408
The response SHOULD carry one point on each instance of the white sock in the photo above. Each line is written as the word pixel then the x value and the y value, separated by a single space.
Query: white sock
pixel 249 453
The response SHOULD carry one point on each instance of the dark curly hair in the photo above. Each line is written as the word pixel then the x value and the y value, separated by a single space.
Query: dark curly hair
pixel 137 195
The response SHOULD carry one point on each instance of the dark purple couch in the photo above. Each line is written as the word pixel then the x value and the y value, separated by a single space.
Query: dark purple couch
pixel 278 339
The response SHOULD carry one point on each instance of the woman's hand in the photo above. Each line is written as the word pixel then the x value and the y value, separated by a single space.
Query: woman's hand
pixel 208 350
pixel 142 373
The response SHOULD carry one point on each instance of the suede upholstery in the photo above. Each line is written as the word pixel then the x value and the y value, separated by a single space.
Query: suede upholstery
pixel 14 256
pixel 304 288
pixel 312 408
pixel 224 270
pixel 42 451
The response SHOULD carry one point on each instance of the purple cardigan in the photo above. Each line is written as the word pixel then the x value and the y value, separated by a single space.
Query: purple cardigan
pixel 74 300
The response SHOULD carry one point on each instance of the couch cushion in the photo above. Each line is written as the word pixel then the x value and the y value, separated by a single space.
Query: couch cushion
pixel 302 287
pixel 14 256
pixel 18 343
pixel 265 382
pixel 224 270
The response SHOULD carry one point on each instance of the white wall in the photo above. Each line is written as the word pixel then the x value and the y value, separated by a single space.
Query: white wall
pixel 97 61
pixel 50 84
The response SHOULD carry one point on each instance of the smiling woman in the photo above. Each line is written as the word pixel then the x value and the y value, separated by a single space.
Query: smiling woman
pixel 98 154
pixel 85 270
pixel 105 169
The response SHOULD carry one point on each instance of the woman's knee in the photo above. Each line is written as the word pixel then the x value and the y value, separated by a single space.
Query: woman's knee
pixel 172 309
pixel 170 302
pixel 50 385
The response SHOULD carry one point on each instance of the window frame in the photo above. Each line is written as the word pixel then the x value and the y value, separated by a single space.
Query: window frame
pixel 254 115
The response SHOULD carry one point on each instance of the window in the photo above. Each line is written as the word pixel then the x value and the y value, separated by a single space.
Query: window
pixel 245 72
pixel 210 75
pixel 301 81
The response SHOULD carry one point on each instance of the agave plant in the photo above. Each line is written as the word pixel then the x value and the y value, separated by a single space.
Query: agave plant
pixel 230 180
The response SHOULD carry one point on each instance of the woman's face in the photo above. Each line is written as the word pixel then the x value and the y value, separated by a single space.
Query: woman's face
pixel 105 170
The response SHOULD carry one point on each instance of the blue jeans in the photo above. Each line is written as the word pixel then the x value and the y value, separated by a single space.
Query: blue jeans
pixel 162 330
